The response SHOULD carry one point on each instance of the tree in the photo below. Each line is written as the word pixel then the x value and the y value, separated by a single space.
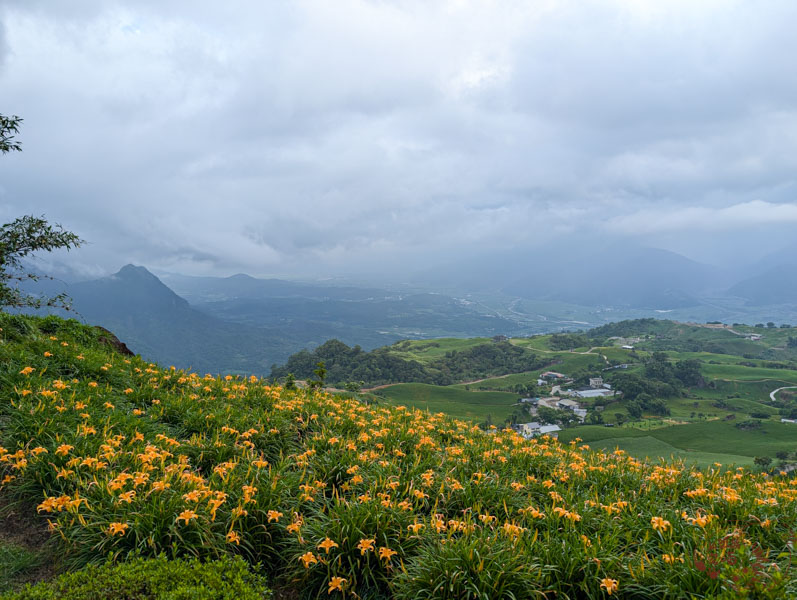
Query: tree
pixel 595 418
pixel 354 386
pixel 9 127
pixel 24 236
pixel 762 461
pixel 290 382
pixel 20 238
pixel 321 373
pixel 634 409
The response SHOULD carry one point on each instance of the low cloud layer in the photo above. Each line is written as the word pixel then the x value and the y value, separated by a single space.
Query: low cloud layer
pixel 327 138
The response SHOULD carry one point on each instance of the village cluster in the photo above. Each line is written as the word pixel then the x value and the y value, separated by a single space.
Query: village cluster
pixel 562 399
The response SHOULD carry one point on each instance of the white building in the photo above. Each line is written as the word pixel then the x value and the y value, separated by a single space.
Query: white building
pixel 568 404
pixel 550 430
pixel 595 382
pixel 533 429
pixel 593 393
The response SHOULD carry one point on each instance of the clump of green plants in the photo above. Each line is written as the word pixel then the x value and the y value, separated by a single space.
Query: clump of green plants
pixel 156 579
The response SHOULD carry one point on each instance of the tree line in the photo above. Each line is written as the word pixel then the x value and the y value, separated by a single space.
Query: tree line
pixel 346 364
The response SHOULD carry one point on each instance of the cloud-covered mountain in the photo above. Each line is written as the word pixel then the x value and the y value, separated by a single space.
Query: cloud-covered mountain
pixel 243 324
pixel 588 274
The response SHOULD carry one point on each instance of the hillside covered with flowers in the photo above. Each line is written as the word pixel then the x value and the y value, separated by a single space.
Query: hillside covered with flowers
pixel 330 497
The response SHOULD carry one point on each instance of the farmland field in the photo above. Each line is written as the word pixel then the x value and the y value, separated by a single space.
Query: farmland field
pixel 649 447
pixel 452 401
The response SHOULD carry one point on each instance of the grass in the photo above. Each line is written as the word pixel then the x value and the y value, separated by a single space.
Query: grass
pixel 651 448
pixel 743 373
pixel 15 562
pixel 712 437
pixel 498 383
pixel 452 401
pixel 426 351
pixel 719 436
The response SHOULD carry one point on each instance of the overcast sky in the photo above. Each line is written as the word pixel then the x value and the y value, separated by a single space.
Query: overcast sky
pixel 316 137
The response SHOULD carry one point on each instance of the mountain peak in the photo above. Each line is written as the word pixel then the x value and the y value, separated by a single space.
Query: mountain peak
pixel 132 271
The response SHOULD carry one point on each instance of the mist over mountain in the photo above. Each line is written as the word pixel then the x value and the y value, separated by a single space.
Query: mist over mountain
pixel 259 322
pixel 590 275
pixel 209 289
pixel 777 285
pixel 161 326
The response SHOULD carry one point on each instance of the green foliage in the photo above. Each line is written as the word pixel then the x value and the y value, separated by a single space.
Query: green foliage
pixel 473 567
pixel 156 579
pixel 9 127
pixel 565 418
pixel 383 365
pixel 630 328
pixel 14 561
pixel 568 341
pixel 18 239
pixel 662 379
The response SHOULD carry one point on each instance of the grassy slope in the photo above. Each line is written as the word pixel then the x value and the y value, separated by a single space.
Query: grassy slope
pixel 426 351
pixel 558 521
pixel 452 401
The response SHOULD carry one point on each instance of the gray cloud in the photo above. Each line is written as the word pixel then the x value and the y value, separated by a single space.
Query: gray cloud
pixel 315 137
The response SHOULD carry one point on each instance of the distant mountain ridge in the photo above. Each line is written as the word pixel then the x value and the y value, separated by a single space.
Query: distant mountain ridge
pixel 616 275
pixel 776 285
pixel 250 333
pixel 162 326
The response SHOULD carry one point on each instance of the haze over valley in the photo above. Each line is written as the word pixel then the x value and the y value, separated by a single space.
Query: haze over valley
pixel 245 324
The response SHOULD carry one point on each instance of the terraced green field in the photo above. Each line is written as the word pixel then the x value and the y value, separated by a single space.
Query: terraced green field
pixel 451 400
pixel 703 443
pixel 649 447
pixel 507 381
pixel 742 373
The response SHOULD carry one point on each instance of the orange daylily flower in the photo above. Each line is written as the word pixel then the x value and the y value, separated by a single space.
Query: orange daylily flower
pixel 327 545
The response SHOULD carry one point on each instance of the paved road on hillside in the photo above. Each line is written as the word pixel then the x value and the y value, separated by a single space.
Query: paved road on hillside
pixel 789 387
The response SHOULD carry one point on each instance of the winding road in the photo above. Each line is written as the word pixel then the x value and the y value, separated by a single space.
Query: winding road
pixel 788 387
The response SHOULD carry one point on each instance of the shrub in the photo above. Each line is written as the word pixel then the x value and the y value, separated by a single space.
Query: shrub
pixel 156 578
pixel 477 566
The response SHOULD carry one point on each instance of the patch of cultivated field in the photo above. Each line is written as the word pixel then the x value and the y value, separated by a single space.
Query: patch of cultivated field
pixel 451 400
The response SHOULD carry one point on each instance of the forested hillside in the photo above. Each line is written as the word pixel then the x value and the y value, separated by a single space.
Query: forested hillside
pixel 384 365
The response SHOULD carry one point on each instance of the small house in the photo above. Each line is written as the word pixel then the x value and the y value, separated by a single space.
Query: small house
pixel 550 430
pixel 552 375
pixel 568 404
